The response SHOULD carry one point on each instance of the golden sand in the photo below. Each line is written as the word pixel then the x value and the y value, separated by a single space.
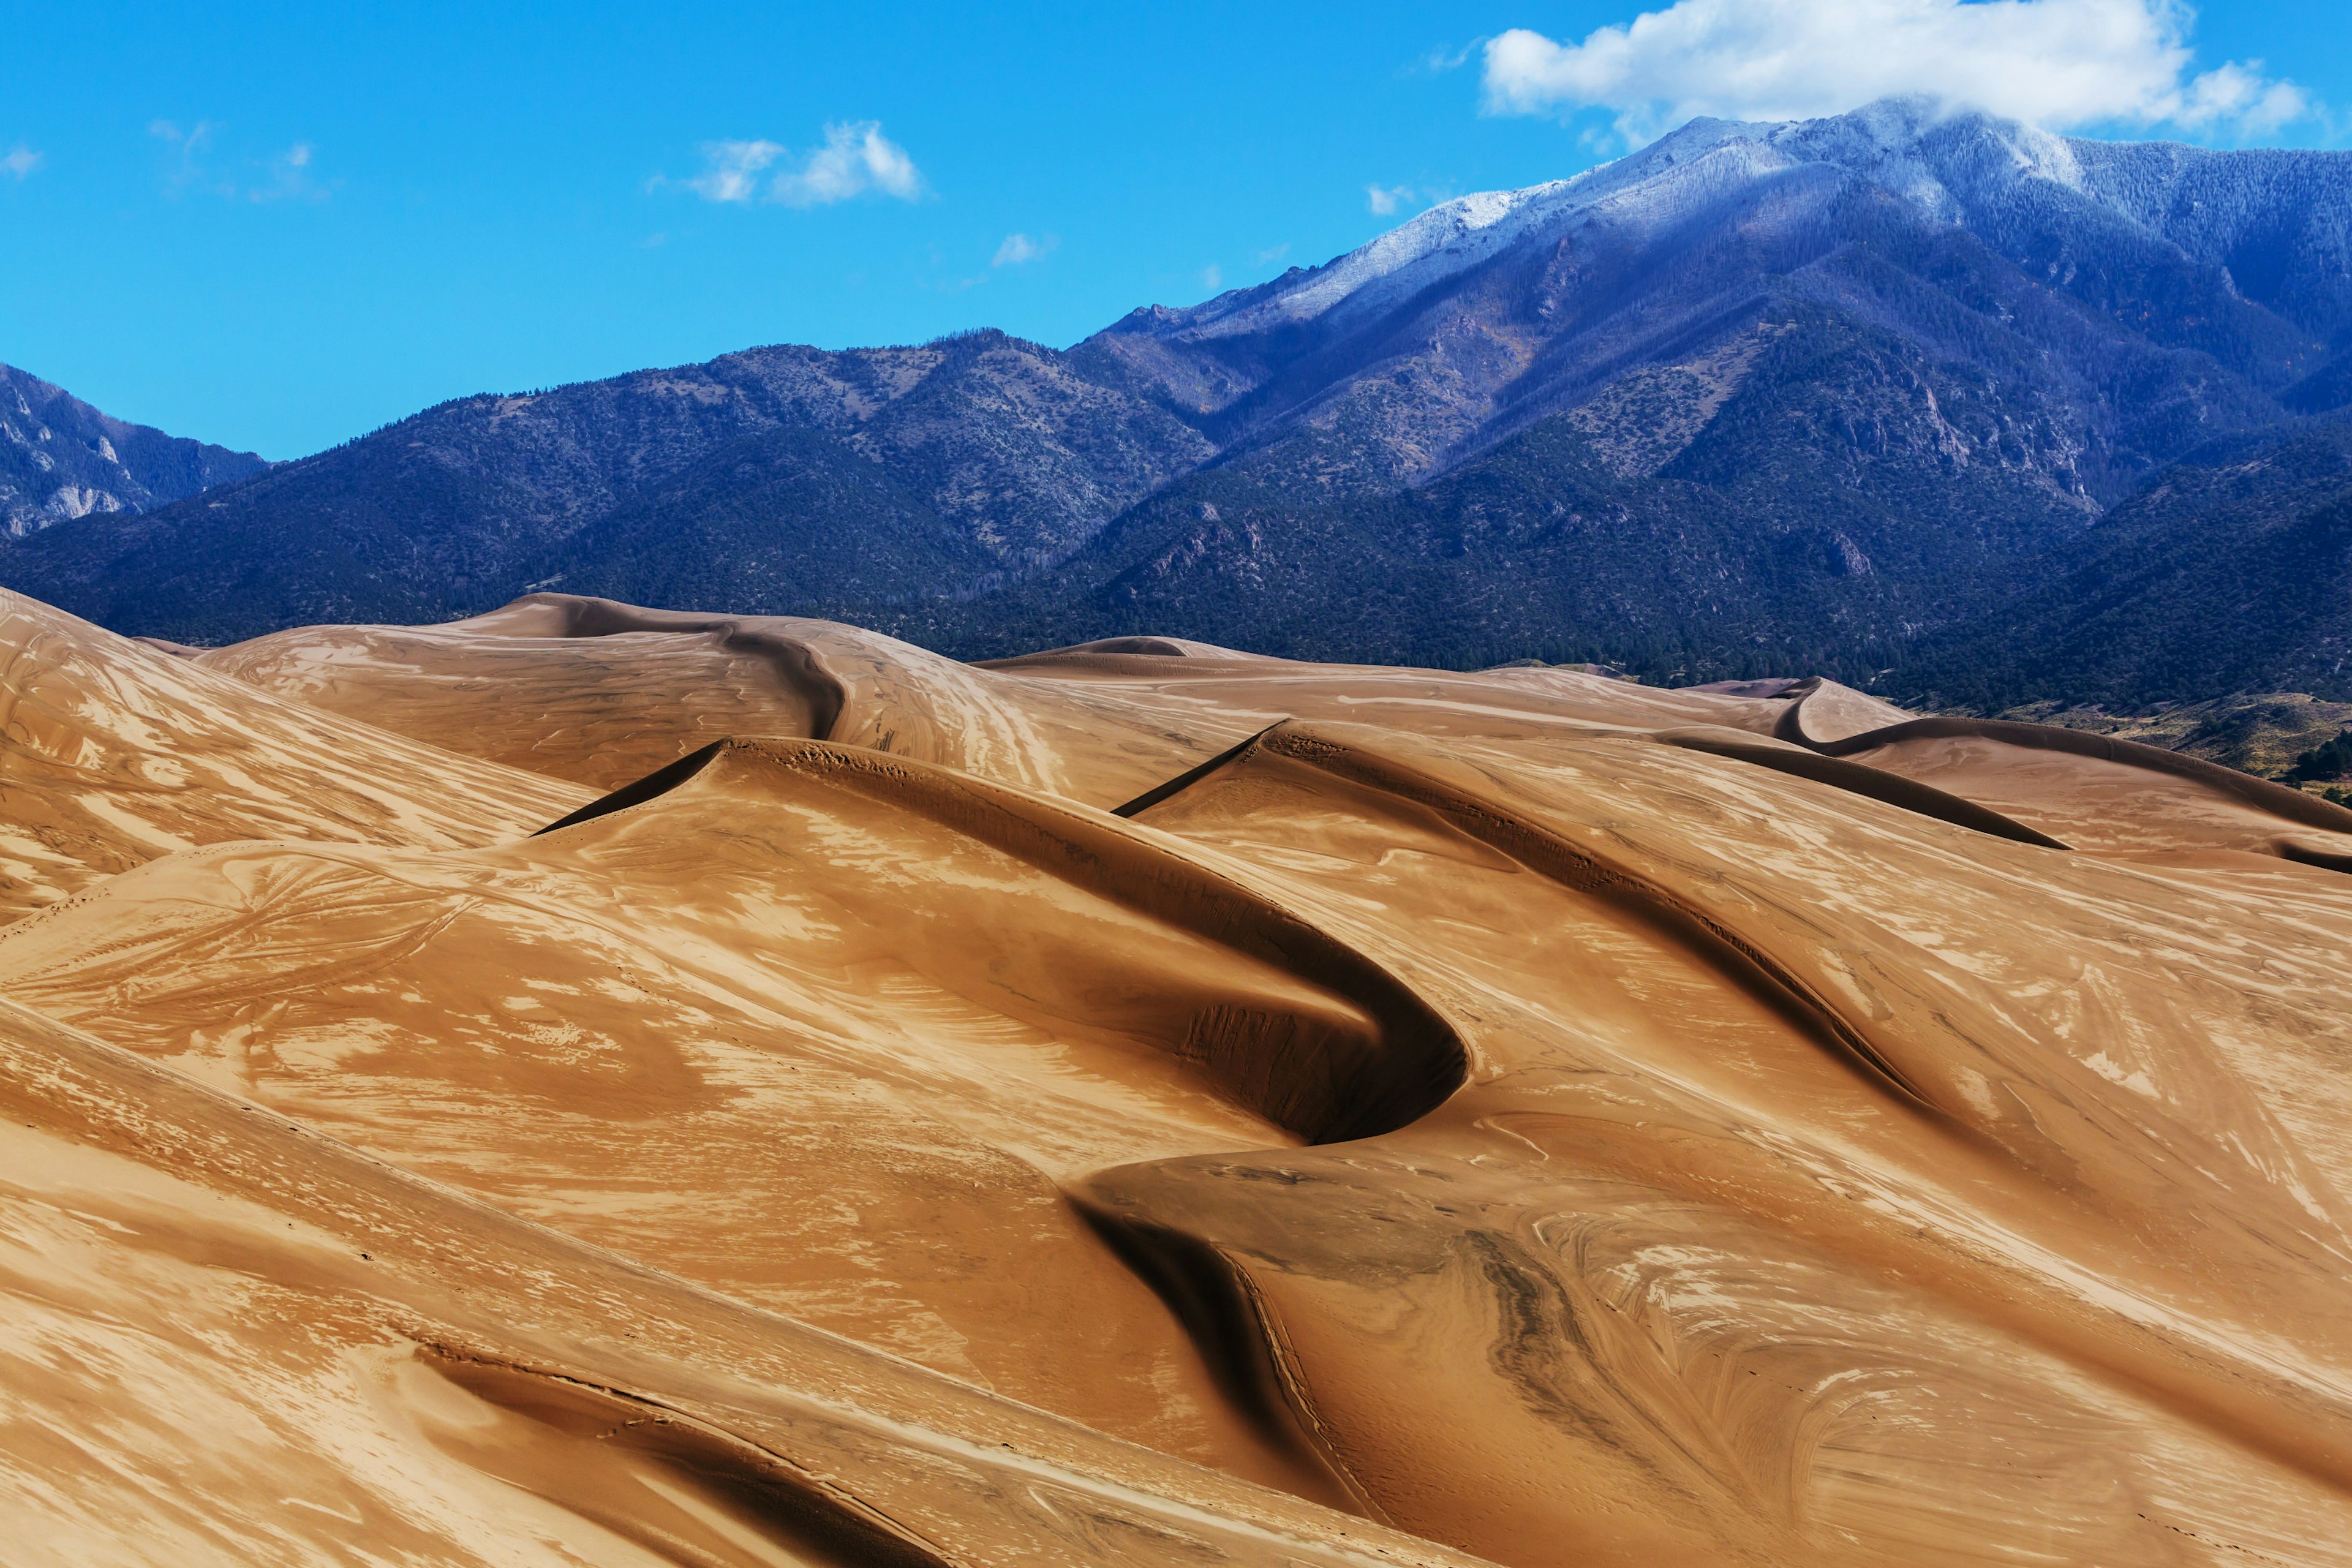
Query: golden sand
pixel 1143 1103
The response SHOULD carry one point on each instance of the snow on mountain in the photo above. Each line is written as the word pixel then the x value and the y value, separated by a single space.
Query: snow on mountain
pixel 1454 236
pixel 1960 167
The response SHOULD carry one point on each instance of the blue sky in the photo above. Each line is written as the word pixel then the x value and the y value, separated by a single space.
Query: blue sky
pixel 280 228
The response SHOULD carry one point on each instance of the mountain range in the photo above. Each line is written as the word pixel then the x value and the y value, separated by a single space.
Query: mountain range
pixel 1936 403
pixel 62 459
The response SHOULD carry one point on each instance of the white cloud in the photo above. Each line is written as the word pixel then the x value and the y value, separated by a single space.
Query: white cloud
pixel 855 158
pixel 1213 278
pixel 1019 247
pixel 1274 253
pixel 2056 63
pixel 1382 200
pixel 731 170
pixel 20 161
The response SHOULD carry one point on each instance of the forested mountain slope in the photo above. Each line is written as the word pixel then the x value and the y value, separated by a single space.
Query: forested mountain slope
pixel 1822 395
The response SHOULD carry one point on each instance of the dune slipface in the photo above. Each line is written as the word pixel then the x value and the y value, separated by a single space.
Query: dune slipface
pixel 590 1084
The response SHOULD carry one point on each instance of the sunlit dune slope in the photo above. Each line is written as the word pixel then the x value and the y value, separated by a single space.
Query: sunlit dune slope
pixel 113 753
pixel 233 1341
pixel 602 693
pixel 1149 1103
pixel 2089 791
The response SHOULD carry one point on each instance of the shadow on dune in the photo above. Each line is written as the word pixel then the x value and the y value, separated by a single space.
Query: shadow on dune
pixel 2277 800
pixel 688 1491
pixel 1237 1334
pixel 796 665
pixel 1324 1081
pixel 1855 778
pixel 1495 824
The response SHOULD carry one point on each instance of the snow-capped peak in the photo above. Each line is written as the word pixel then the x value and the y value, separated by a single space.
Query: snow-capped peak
pixel 1444 240
pixel 1887 143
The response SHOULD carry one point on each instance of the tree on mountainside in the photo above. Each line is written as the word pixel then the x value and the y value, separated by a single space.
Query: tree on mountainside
pixel 2329 759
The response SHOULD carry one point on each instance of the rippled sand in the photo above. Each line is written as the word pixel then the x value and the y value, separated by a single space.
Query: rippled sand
pixel 593 1085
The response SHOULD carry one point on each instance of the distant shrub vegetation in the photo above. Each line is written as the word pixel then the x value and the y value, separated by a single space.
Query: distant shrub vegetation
pixel 2331 760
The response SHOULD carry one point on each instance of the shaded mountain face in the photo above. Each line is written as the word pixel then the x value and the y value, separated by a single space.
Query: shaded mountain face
pixel 2232 575
pixel 791 471
pixel 2115 302
pixel 62 459
pixel 1759 391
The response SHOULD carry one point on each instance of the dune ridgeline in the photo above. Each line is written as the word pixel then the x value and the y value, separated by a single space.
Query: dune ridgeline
pixel 590 1085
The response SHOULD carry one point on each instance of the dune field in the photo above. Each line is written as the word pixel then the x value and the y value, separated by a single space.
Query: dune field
pixel 593 1085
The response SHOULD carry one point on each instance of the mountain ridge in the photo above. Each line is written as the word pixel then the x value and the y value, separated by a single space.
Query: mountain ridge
pixel 61 459
pixel 1833 389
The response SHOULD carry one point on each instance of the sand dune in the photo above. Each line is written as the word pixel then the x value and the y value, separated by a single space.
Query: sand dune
pixel 116 753
pixel 2093 792
pixel 1149 1103
pixel 602 693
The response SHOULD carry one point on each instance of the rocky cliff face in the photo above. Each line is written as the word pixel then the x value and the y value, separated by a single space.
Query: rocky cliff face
pixel 62 459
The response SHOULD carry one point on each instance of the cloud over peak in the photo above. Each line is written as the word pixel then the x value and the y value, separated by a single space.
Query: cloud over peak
pixel 857 158
pixel 2057 63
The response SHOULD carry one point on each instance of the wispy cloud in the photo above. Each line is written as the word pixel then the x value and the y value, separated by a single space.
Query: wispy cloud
pixel 1213 278
pixel 1019 248
pixel 731 170
pixel 856 159
pixel 2058 63
pixel 20 161
pixel 1273 254
pixel 290 179
pixel 1382 201
pixel 1439 60
pixel 191 149
pixel 283 176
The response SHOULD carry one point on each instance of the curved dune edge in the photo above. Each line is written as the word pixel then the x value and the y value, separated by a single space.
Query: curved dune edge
pixel 1856 778
pixel 800 668
pixel 1598 875
pixel 560 1425
pixel 897 1460
pixel 1238 1333
pixel 2276 799
pixel 1915 1063
pixel 1301 1077
pixel 1129 655
pixel 2313 855
pixel 653 786
pixel 2238 1395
